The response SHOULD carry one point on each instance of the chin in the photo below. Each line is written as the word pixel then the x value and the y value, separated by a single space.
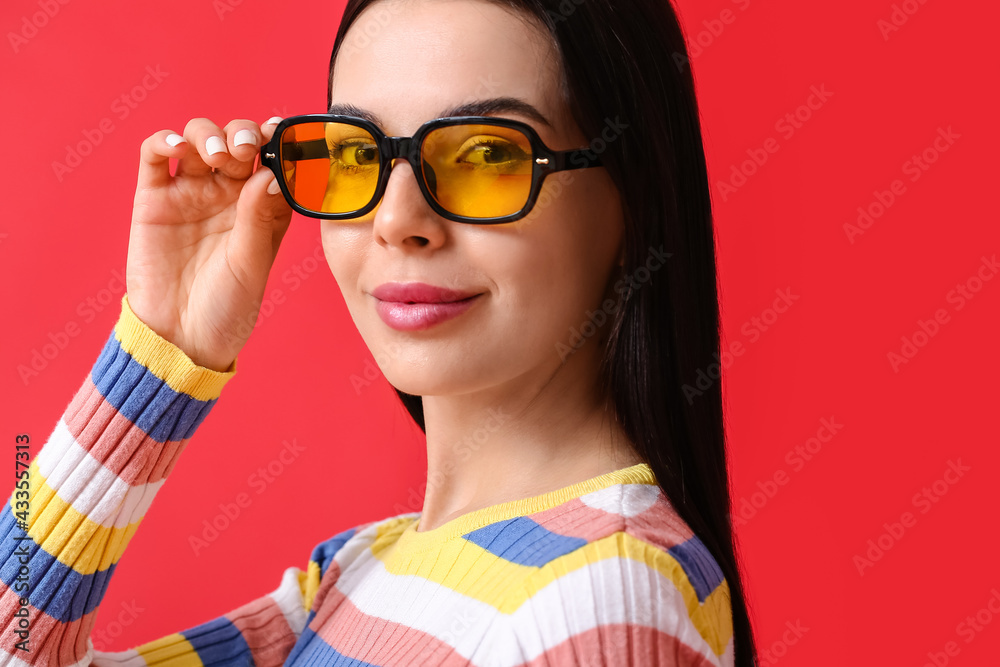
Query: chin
pixel 436 376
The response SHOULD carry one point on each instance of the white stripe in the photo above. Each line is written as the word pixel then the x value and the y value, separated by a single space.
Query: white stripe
pixel 626 500
pixel 612 590
pixel 453 618
pixel 94 491
pixel 129 658
pixel 288 597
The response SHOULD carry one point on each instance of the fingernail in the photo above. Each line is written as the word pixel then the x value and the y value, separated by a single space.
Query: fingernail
pixel 215 145
pixel 273 120
pixel 273 187
pixel 244 137
pixel 174 139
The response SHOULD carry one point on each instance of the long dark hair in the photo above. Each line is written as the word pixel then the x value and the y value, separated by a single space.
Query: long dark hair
pixel 629 60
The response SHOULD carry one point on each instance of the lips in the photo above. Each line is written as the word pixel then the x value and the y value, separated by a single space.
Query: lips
pixel 418 306
pixel 418 293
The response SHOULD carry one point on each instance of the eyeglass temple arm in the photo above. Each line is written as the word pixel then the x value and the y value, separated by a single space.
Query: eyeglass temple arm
pixel 312 149
pixel 574 159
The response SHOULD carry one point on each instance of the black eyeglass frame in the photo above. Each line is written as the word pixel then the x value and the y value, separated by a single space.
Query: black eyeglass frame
pixel 544 161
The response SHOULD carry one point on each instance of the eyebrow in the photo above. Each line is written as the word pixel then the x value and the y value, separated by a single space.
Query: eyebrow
pixel 492 106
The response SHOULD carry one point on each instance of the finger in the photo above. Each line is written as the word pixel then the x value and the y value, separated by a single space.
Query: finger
pixel 154 158
pixel 267 129
pixel 243 139
pixel 269 126
pixel 208 148
pixel 262 219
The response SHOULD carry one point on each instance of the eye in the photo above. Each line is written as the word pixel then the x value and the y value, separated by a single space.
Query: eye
pixel 491 152
pixel 355 153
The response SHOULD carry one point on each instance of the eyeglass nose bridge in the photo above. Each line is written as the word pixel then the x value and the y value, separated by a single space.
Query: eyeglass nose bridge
pixel 401 147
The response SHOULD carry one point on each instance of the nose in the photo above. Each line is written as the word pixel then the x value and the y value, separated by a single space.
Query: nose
pixel 403 218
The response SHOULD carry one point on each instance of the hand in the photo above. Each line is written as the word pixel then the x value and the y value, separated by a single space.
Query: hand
pixel 203 241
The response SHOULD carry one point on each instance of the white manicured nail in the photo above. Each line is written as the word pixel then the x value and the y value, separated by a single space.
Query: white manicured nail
pixel 215 145
pixel 273 187
pixel 244 137
pixel 174 139
pixel 273 120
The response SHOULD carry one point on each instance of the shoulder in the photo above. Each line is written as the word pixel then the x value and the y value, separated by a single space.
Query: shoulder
pixel 632 580
pixel 334 554
pixel 348 543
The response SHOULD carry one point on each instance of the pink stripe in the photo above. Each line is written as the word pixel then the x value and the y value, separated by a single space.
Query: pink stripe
pixel 50 642
pixel 575 519
pixel 620 644
pixel 660 525
pixel 326 585
pixel 114 440
pixel 372 639
pixel 265 630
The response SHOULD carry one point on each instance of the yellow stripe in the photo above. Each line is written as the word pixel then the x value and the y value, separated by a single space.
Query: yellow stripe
pixel 461 565
pixel 309 584
pixel 167 361
pixel 172 650
pixel 467 568
pixel 69 536
pixel 712 618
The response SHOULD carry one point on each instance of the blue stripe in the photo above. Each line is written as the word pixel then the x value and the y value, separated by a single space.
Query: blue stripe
pixel 699 565
pixel 521 540
pixel 58 590
pixel 145 399
pixel 310 649
pixel 219 642
pixel 323 553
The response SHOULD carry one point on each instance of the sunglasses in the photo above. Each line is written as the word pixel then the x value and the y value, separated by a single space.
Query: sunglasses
pixel 475 169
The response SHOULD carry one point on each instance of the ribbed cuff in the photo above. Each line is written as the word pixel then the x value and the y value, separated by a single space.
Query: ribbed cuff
pixel 166 360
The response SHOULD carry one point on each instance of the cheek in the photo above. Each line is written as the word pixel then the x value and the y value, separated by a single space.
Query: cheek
pixel 343 246
pixel 561 263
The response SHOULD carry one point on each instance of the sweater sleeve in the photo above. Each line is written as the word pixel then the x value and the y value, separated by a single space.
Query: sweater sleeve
pixel 77 505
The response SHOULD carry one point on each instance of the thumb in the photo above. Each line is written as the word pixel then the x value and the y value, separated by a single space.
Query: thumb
pixel 262 218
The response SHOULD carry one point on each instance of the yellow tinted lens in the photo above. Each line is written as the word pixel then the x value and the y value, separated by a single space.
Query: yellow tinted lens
pixel 330 167
pixel 478 171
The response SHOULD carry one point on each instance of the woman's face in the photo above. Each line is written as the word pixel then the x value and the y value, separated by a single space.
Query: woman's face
pixel 537 278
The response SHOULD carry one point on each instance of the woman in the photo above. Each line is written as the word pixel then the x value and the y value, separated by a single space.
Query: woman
pixel 543 273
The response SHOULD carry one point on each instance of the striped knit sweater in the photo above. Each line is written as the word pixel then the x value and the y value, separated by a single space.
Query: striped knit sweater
pixel 603 572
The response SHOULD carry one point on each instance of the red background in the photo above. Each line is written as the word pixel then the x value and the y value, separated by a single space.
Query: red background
pixel 63 241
